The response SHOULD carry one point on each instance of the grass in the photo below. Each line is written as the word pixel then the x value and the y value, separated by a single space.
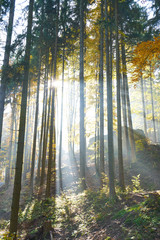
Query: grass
pixel 133 215
pixel 141 221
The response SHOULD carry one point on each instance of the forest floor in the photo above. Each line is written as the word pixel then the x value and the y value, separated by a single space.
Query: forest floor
pixel 134 214
pixel 92 215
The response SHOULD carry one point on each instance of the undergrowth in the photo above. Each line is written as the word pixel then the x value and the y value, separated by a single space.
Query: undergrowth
pixel 141 221
pixel 77 216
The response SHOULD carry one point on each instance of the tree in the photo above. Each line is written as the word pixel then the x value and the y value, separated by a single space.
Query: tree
pixel 118 77
pixel 109 106
pixel 81 75
pixel 8 168
pixel 101 95
pixel 145 56
pixel 126 93
pixel 5 69
pixel 52 140
pixel 64 26
pixel 144 107
pixel 152 103
pixel 35 125
pixel 45 128
pixel 19 161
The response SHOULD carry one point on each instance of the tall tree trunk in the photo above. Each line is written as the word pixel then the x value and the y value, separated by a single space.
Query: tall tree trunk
pixel 60 144
pixel 131 135
pixel 45 135
pixel 15 138
pixel 97 124
pixel 109 110
pixel 41 136
pixel 26 149
pixel 82 114
pixel 35 126
pixel 5 69
pixel 124 101
pixel 73 116
pixel 42 120
pixel 19 162
pixel 144 107
pixel 52 140
pixel 101 97
pixel 8 168
pixel 61 121
pixel 49 112
pixel 120 155
pixel 152 102
pixel 29 138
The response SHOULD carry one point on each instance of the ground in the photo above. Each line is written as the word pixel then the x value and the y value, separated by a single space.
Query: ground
pixel 134 214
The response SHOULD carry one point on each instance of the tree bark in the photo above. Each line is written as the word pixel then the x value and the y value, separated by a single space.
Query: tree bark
pixel 82 114
pixel 61 122
pixel 124 102
pixel 109 109
pixel 52 140
pixel 120 155
pixel 101 98
pixel 131 135
pixel 19 162
pixel 8 168
pixel 45 135
pixel 144 107
pixel 5 70
pixel 35 126
pixel 152 102
pixel 41 137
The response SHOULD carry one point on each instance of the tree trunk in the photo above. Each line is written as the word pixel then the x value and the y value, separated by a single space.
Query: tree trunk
pixel 8 168
pixel 82 114
pixel 101 98
pixel 131 135
pixel 124 101
pixel 120 155
pixel 5 69
pixel 144 108
pixel 41 137
pixel 60 144
pixel 152 102
pixel 109 110
pixel 52 140
pixel 19 162
pixel 35 126
pixel 26 149
pixel 45 135
pixel 96 145
pixel 15 138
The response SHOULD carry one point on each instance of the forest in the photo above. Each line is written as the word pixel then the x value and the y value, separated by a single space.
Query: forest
pixel 79 119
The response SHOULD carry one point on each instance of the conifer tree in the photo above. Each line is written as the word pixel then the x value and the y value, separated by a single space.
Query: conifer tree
pixel 109 106
pixel 5 69
pixel 81 74
pixel 101 95
pixel 118 77
pixel 19 161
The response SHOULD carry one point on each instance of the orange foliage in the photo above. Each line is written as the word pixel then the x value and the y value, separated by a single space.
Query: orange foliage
pixel 144 55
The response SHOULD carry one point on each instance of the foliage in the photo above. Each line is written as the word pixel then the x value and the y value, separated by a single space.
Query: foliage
pixel 141 221
pixel 79 214
pixel 37 212
pixel 136 183
pixel 8 236
pixel 76 213
pixel 145 54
